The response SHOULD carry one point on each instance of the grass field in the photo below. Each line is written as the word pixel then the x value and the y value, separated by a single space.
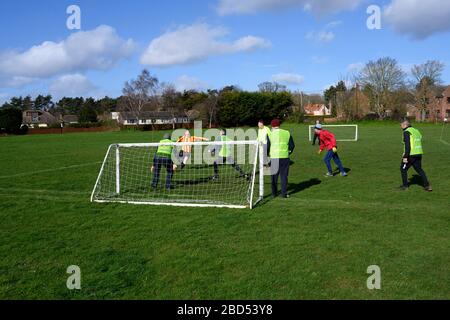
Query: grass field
pixel 315 245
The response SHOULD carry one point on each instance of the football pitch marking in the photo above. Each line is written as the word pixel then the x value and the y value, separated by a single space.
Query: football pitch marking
pixel 23 174
pixel 444 142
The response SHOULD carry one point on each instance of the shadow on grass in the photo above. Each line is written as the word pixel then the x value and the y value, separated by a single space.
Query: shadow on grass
pixel 416 180
pixel 337 172
pixel 294 188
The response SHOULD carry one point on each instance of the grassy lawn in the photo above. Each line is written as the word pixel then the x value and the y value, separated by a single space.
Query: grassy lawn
pixel 315 245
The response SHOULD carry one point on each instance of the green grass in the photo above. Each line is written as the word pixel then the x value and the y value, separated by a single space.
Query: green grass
pixel 315 245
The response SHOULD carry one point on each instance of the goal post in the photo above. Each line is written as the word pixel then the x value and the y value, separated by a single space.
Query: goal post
pixel 344 132
pixel 226 174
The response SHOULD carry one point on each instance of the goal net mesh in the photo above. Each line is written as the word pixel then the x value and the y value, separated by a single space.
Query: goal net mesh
pixel 341 132
pixel 194 174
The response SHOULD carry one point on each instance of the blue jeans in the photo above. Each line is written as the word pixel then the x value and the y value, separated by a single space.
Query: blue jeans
pixel 331 155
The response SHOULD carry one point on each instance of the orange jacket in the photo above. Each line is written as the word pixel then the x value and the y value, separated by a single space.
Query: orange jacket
pixel 188 149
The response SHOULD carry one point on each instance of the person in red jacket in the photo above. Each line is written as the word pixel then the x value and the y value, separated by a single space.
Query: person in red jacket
pixel 328 141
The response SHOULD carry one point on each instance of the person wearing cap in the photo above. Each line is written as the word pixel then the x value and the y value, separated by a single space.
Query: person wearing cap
pixel 328 141
pixel 225 156
pixel 316 136
pixel 412 155
pixel 280 146
pixel 163 159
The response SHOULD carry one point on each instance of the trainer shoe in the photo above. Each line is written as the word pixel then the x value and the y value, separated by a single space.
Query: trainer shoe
pixel 286 196
pixel 403 188
pixel 428 189
pixel 215 177
pixel 344 174
pixel 328 175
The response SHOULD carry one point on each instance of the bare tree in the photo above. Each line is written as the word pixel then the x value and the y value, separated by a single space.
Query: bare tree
pixel 383 77
pixel 271 87
pixel 426 78
pixel 139 92
pixel 170 100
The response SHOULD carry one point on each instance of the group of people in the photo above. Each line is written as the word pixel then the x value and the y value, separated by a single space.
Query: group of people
pixel 279 145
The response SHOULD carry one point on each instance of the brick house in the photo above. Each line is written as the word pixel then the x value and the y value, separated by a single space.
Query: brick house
pixel 38 119
pixel 312 109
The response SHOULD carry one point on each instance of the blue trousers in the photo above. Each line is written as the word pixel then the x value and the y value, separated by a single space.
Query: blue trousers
pixel 331 155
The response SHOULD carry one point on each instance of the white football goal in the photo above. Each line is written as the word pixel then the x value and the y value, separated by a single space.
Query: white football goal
pixel 344 132
pixel 196 174
pixel 445 133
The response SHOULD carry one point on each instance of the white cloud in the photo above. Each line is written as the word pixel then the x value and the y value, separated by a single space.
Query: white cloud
pixel 71 85
pixel 355 67
pixel 319 7
pixel 189 83
pixel 418 18
pixel 98 49
pixel 194 43
pixel 288 78
pixel 325 35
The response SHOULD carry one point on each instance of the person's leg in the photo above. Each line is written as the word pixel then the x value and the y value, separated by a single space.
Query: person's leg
pixel 327 161
pixel 218 161
pixel 417 165
pixel 156 171
pixel 169 167
pixel 275 170
pixel 314 139
pixel 235 165
pixel 404 167
pixel 284 173
pixel 338 162
pixel 185 159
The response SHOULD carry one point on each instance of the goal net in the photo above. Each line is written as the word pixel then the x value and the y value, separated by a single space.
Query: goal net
pixel 348 132
pixel 208 174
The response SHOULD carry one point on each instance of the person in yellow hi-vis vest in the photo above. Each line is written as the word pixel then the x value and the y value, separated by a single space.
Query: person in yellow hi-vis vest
pixel 163 158
pixel 280 146
pixel 225 156
pixel 412 155
pixel 185 152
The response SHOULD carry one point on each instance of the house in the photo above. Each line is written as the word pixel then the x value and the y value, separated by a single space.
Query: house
pixel 38 119
pixel 150 118
pixel 317 110
pixel 69 119
pixel 443 105
pixel 437 109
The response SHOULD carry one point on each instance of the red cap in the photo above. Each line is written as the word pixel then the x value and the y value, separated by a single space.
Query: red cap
pixel 275 123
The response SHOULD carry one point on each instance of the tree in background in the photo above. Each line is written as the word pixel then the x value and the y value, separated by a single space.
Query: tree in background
pixel 426 79
pixel 383 76
pixel 88 113
pixel 139 92
pixel 10 119
pixel 271 87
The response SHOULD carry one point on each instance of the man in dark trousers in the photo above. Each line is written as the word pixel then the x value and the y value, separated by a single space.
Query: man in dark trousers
pixel 280 146
pixel 316 136
pixel 163 159
pixel 412 156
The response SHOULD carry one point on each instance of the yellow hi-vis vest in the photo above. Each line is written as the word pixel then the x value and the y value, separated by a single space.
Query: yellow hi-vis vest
pixel 415 141
pixel 165 150
pixel 225 151
pixel 279 144
pixel 263 134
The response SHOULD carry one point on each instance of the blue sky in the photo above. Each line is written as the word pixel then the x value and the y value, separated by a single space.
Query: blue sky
pixel 307 45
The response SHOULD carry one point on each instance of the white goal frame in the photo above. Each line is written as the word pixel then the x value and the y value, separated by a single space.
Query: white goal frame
pixel 258 162
pixel 337 125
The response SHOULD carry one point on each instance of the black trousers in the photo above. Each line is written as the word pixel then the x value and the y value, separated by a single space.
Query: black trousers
pixel 280 169
pixel 416 163
pixel 316 137
pixel 158 163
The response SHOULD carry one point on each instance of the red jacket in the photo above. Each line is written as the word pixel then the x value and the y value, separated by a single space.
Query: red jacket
pixel 327 140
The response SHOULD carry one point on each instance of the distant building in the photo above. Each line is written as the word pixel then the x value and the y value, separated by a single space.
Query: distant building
pixel 38 119
pixel 436 109
pixel 149 118
pixel 317 110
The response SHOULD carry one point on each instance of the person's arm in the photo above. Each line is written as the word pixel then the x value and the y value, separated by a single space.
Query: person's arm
pixel 321 141
pixel 268 147
pixel 180 139
pixel 200 139
pixel 291 145
pixel 407 141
